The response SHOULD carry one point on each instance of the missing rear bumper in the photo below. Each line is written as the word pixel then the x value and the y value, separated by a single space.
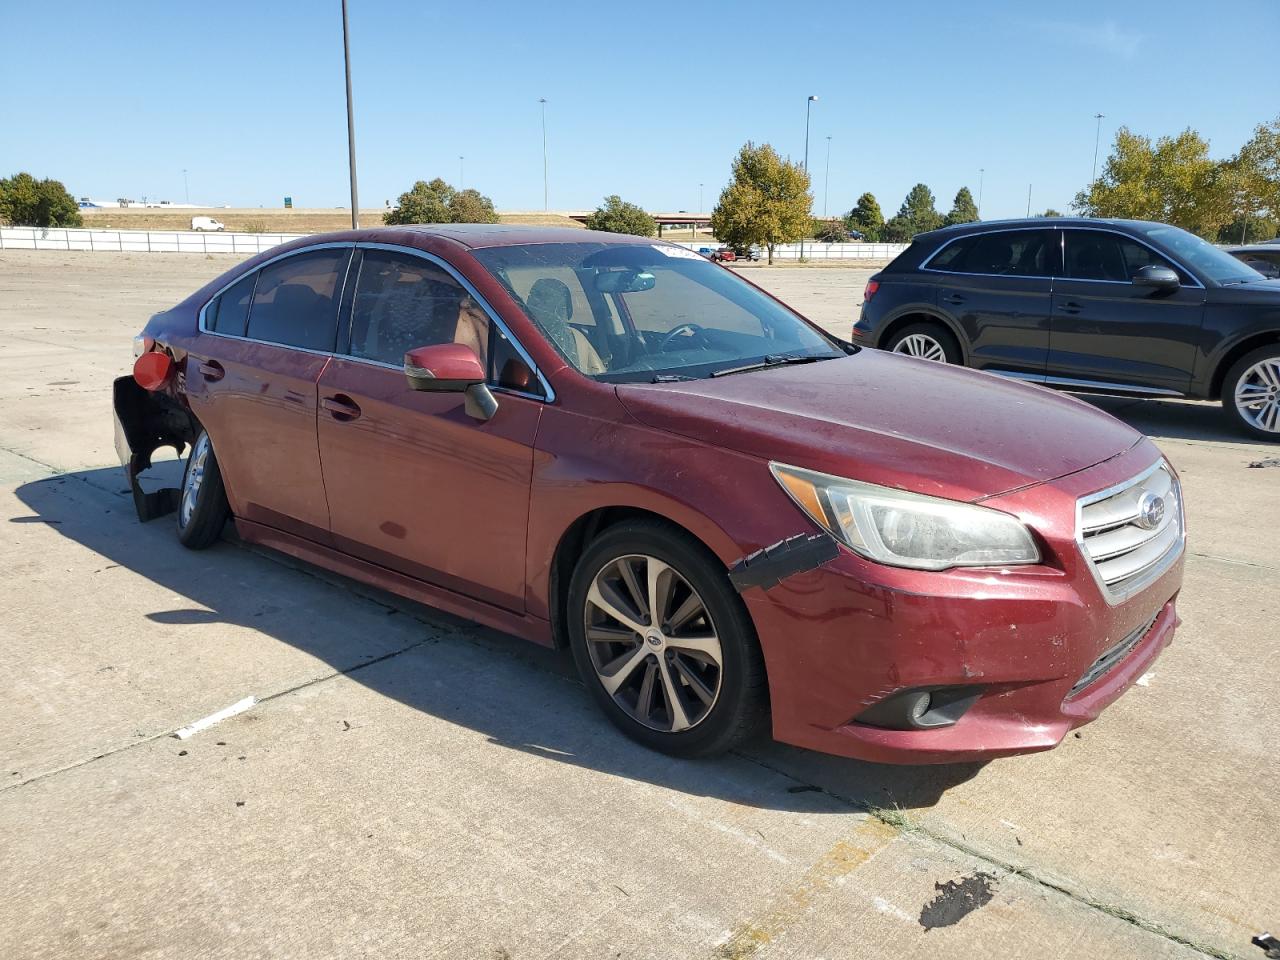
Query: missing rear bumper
pixel 145 422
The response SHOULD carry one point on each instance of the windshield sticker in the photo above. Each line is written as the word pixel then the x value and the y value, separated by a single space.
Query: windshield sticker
pixel 680 253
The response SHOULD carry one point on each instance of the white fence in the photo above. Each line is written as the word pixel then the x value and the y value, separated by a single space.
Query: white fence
pixel 822 251
pixel 186 241
pixel 138 241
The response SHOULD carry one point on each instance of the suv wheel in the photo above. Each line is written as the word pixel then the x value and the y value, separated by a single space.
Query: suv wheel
pixel 663 643
pixel 202 509
pixel 1251 392
pixel 927 341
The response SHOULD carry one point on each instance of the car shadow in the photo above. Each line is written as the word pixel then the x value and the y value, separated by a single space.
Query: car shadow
pixel 1174 419
pixel 530 715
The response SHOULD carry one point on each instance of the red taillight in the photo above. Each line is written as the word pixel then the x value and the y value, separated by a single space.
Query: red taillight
pixel 152 370
pixel 872 287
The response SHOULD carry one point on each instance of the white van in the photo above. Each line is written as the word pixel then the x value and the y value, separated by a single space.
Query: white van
pixel 206 223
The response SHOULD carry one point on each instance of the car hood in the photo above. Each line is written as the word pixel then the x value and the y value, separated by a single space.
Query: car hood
pixel 893 420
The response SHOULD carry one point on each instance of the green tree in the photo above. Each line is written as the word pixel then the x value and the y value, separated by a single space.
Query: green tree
pixel 830 231
pixel 1254 173
pixel 917 214
pixel 28 202
pixel 963 209
pixel 1051 213
pixel 1248 229
pixel 471 206
pixel 897 229
pixel 615 215
pixel 423 203
pixel 1173 181
pixel 767 201
pixel 866 218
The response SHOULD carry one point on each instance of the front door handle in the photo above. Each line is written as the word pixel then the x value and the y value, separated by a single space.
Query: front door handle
pixel 1070 307
pixel 953 298
pixel 211 370
pixel 341 407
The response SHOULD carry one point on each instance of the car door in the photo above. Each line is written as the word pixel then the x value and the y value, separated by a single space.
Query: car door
pixel 252 383
pixel 414 484
pixel 995 285
pixel 1108 330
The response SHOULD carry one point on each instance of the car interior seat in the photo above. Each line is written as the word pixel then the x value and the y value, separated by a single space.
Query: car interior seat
pixel 550 305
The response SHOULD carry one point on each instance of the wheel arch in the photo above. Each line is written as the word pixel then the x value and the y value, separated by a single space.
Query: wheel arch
pixel 581 532
pixel 1234 353
pixel 917 314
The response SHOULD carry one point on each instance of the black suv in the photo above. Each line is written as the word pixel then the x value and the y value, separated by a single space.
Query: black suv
pixel 1107 306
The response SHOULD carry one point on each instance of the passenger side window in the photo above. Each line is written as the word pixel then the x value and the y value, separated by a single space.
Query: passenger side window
pixel 296 301
pixel 1008 253
pixel 228 312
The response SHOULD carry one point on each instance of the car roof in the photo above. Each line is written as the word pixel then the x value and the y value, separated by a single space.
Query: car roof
pixel 476 235
pixel 980 226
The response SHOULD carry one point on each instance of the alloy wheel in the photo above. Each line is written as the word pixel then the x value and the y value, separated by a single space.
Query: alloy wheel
pixel 652 643
pixel 194 478
pixel 921 345
pixel 1258 395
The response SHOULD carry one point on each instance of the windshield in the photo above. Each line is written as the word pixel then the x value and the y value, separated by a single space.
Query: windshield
pixel 635 312
pixel 1214 263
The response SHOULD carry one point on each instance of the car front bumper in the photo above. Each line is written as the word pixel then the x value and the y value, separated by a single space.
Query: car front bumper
pixel 849 634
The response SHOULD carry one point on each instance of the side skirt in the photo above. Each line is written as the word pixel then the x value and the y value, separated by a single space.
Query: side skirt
pixel 520 625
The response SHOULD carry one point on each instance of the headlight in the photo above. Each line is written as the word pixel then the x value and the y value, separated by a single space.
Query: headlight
pixel 908 529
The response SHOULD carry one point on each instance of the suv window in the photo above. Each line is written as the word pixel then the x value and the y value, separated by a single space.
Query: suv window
pixel 228 312
pixel 295 303
pixel 1100 255
pixel 1004 253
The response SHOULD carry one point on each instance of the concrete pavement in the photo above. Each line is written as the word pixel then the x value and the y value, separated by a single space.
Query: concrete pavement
pixel 412 785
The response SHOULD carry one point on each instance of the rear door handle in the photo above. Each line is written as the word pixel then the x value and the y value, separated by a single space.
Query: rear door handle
pixel 341 407
pixel 211 370
pixel 953 298
pixel 1070 307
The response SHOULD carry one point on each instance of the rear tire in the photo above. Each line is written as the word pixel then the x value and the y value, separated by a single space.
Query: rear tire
pixel 1251 393
pixel 202 505
pixel 689 681
pixel 927 340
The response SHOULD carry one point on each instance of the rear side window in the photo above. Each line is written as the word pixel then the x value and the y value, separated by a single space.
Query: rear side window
pixel 1099 255
pixel 296 300
pixel 228 312
pixel 1008 253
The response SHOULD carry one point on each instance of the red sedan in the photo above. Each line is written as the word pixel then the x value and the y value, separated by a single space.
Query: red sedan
pixel 609 444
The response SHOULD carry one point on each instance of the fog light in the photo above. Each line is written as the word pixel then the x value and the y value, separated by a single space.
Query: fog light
pixel 921 708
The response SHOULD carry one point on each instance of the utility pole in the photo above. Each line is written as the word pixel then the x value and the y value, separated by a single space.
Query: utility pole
pixel 351 121
pixel 826 180
pixel 545 193
pixel 981 173
pixel 1097 139
pixel 808 104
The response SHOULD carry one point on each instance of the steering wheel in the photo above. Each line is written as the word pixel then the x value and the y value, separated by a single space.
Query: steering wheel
pixel 691 329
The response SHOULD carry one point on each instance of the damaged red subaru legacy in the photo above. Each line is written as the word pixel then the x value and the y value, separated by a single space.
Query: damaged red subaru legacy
pixel 612 445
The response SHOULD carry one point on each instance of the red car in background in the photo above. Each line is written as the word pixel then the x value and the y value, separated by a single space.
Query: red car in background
pixel 608 444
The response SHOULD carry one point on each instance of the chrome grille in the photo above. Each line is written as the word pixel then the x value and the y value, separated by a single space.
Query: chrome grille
pixel 1126 550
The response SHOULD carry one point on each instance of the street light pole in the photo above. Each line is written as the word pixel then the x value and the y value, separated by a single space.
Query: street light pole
pixel 462 180
pixel 1028 199
pixel 351 121
pixel 186 190
pixel 1097 138
pixel 545 192
pixel 808 106
pixel 826 180
pixel 981 174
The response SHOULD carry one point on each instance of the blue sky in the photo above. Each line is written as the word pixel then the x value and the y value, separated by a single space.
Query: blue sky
pixel 647 101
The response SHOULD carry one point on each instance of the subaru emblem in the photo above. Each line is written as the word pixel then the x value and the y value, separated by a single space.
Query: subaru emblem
pixel 1150 510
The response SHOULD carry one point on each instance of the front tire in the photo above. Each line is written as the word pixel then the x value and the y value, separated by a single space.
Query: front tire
pixel 202 506
pixel 663 643
pixel 1251 392
pixel 926 341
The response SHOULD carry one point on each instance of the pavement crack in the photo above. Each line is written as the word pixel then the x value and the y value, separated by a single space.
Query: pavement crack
pixel 894 817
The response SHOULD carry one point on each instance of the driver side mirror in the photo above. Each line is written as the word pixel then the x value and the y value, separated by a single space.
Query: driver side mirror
pixel 451 368
pixel 1158 278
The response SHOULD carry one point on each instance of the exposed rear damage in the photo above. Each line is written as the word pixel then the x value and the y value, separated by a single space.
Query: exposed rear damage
pixel 145 422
